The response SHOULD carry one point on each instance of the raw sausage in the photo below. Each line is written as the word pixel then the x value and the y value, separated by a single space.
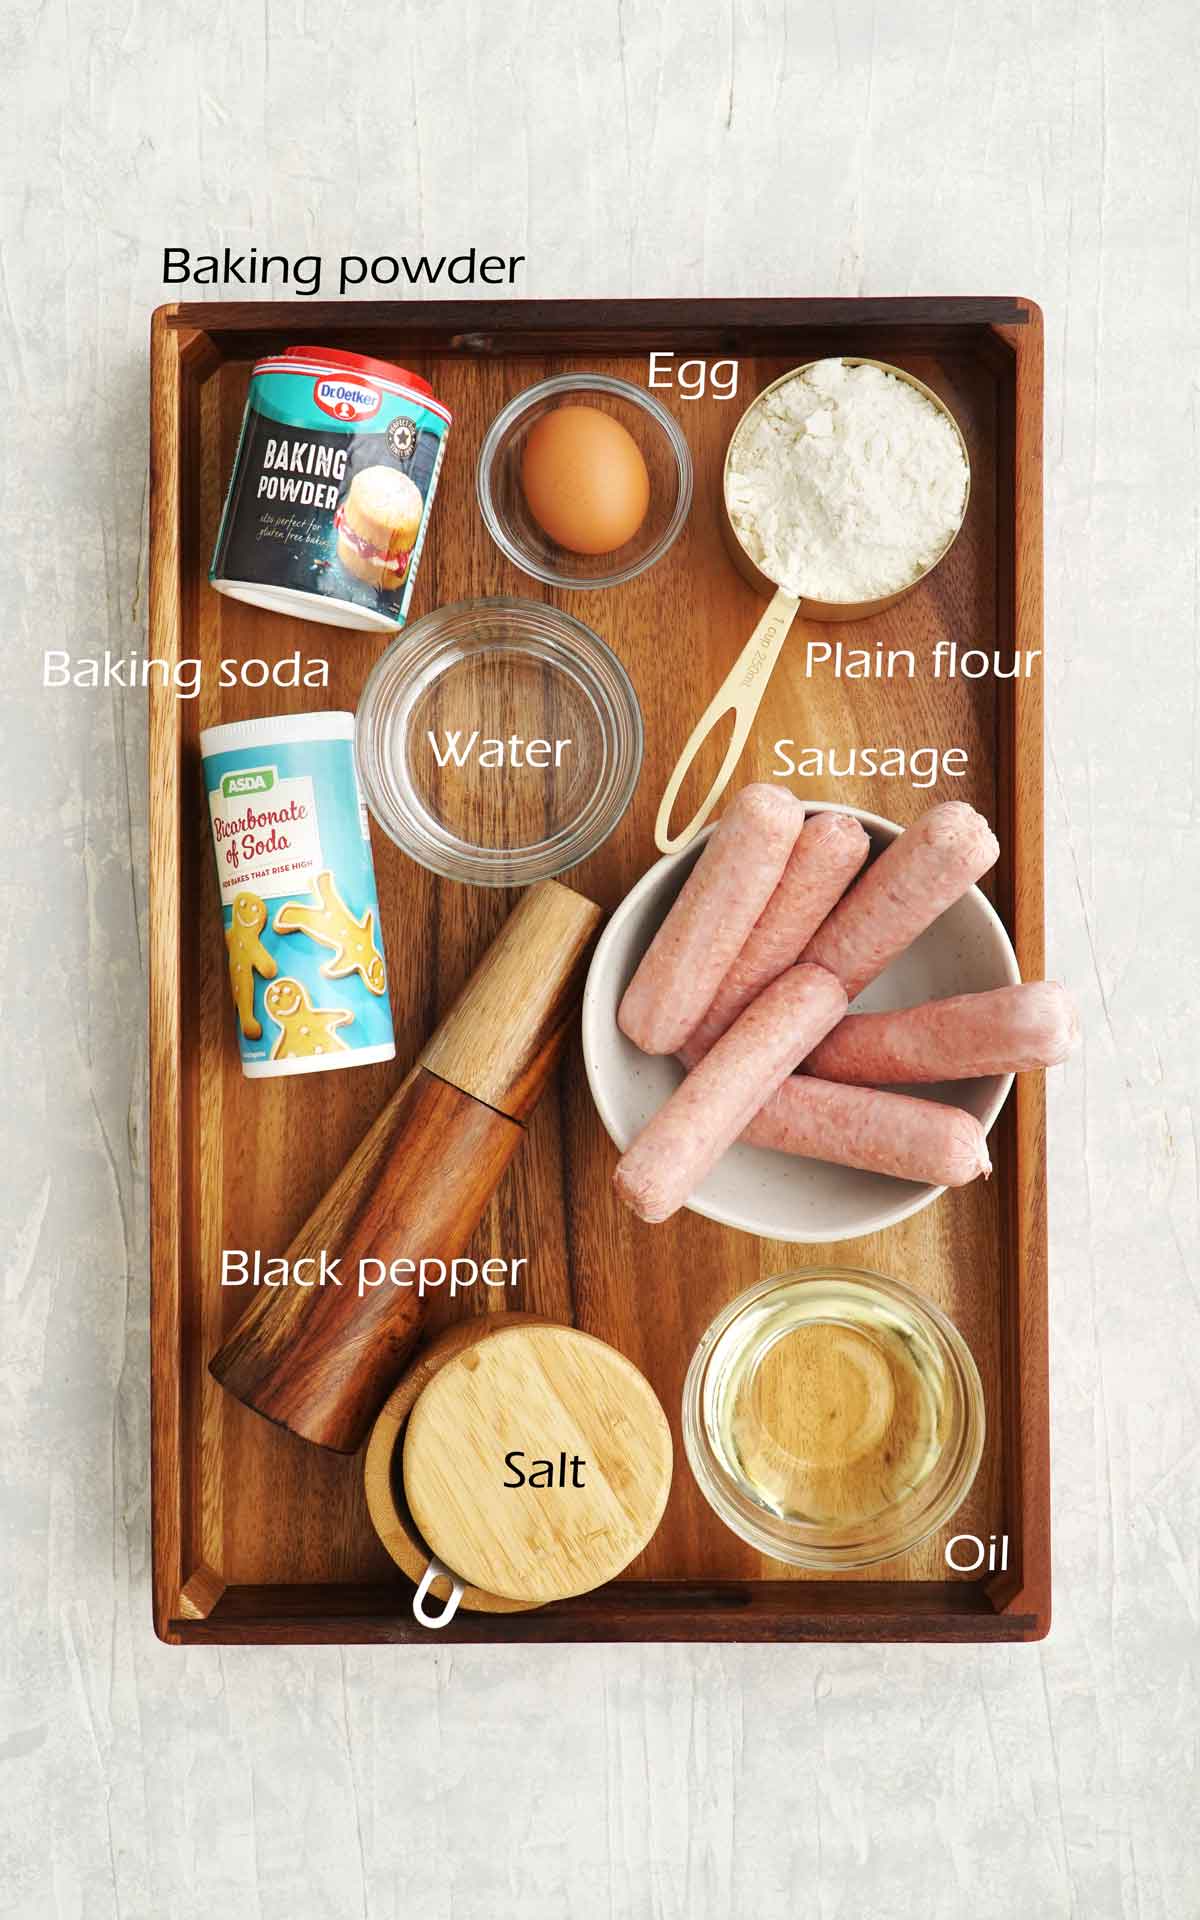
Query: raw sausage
pixel 878 1132
pixel 901 893
pixel 703 934
pixel 1006 1031
pixel 831 849
pixel 675 1150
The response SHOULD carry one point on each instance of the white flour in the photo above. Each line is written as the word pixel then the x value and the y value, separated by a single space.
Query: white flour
pixel 846 483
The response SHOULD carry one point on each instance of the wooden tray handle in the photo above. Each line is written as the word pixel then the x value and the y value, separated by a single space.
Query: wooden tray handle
pixel 740 692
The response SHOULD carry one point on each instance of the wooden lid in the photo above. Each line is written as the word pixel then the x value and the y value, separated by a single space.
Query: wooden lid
pixel 537 1464
pixel 382 1461
pixel 502 1035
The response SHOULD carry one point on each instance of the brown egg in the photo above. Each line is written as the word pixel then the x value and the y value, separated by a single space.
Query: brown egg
pixel 585 480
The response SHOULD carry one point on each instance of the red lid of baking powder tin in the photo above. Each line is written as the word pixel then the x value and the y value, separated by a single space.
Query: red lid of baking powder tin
pixel 359 363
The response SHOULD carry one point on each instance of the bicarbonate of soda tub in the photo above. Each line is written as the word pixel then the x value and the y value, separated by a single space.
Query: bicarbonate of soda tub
pixel 298 898
pixel 332 487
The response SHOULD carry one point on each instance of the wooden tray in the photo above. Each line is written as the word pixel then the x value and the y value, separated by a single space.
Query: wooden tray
pixel 258 1537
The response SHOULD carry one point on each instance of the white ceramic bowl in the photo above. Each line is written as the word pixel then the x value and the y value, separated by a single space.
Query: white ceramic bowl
pixel 775 1195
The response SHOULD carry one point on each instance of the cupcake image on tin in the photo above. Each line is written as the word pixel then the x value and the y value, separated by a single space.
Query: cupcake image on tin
pixel 377 526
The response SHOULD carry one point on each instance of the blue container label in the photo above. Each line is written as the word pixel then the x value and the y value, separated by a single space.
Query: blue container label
pixel 299 903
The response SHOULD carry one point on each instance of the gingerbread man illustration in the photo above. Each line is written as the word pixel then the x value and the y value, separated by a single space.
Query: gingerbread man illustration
pixel 304 1030
pixel 333 925
pixel 248 956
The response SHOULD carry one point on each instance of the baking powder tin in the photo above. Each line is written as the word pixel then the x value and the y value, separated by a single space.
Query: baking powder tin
pixel 332 488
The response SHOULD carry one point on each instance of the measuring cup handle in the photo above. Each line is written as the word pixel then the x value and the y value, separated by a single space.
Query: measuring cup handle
pixel 436 1571
pixel 740 692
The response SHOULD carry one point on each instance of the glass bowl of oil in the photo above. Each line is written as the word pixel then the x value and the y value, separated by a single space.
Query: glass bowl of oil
pixel 833 1418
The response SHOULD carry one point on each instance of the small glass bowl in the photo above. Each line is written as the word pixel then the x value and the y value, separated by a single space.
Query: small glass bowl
pixel 731 1368
pixel 502 499
pixel 498 742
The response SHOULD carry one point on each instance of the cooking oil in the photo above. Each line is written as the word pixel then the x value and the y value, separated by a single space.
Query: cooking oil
pixel 825 1405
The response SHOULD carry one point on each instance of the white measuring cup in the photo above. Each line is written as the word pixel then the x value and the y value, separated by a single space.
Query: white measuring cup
pixel 743 687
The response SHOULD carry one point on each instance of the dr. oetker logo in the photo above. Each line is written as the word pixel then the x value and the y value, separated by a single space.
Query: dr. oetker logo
pixel 347 399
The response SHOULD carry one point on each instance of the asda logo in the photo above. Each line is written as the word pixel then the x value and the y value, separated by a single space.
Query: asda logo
pixel 249 780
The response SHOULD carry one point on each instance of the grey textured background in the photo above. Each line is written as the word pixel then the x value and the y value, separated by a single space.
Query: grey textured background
pixel 1048 149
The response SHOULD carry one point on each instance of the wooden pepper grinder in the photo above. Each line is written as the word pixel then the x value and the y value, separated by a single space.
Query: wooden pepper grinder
pixel 321 1360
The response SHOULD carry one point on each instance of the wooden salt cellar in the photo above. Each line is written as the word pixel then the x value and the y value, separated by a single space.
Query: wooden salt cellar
pixel 383 1461
pixel 535 1462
